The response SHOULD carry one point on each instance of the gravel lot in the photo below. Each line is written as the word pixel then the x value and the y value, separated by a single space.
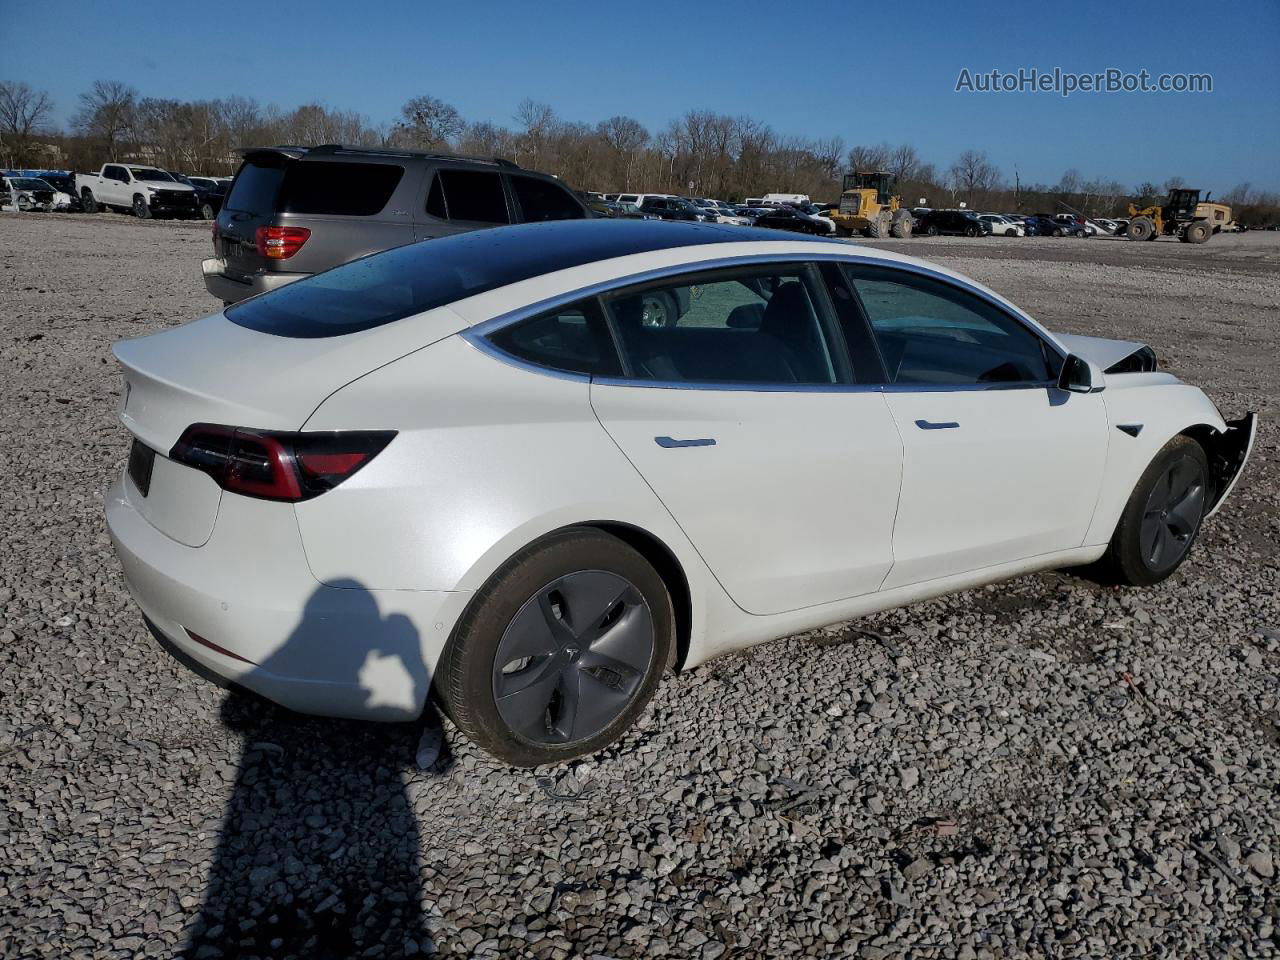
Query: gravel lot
pixel 1043 768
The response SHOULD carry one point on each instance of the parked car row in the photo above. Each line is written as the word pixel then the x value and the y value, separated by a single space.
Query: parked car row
pixel 149 191
pixel 971 223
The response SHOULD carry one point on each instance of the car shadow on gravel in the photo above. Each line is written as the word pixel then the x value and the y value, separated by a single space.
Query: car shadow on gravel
pixel 318 855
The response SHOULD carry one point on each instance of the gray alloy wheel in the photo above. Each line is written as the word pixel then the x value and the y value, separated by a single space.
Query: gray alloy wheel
pixel 560 651
pixel 573 658
pixel 206 211
pixel 657 310
pixel 1172 515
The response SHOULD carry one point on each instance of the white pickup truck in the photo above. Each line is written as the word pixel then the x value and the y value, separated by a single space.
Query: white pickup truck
pixel 147 191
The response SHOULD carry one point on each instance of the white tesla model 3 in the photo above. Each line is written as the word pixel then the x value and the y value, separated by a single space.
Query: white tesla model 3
pixel 536 467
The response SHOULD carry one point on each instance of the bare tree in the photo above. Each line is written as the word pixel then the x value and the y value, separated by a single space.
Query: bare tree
pixel 904 163
pixel 972 175
pixel 625 137
pixel 869 158
pixel 429 123
pixel 536 121
pixel 22 111
pixel 486 139
pixel 107 113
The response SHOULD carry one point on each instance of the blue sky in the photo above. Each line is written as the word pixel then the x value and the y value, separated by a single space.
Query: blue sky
pixel 784 63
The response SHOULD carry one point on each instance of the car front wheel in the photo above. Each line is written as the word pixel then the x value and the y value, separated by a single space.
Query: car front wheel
pixel 560 651
pixel 1162 517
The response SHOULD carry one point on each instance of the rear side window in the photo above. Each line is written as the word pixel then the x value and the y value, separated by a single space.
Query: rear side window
pixel 473 195
pixel 326 188
pixel 543 200
pixel 756 325
pixel 256 187
pixel 572 338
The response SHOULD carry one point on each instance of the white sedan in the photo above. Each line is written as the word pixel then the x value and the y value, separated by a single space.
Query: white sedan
pixel 1002 226
pixel 536 467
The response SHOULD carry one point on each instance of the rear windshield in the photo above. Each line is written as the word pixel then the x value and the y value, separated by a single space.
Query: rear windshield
pixel 317 187
pixel 255 187
pixel 399 283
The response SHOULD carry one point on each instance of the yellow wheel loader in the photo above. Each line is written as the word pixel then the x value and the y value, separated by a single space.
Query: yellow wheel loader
pixel 868 206
pixel 1182 215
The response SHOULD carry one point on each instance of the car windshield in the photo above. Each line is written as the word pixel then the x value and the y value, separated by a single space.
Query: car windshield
pixel 150 173
pixel 30 183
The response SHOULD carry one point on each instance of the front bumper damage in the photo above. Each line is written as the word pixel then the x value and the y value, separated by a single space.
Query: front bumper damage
pixel 1229 451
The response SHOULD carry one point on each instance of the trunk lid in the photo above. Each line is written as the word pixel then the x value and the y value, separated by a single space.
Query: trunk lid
pixel 214 371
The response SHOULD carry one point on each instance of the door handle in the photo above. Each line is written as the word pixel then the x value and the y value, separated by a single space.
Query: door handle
pixel 940 425
pixel 668 442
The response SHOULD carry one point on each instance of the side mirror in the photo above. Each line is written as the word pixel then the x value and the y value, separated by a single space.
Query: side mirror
pixel 1079 376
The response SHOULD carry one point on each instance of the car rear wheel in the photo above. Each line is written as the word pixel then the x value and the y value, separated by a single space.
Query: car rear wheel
pixel 206 211
pixel 1162 518
pixel 87 203
pixel 560 651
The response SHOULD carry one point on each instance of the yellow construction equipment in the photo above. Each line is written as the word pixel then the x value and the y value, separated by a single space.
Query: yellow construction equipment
pixel 869 206
pixel 1183 215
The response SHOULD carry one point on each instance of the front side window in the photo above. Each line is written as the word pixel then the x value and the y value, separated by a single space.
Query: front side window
pixel 472 195
pixel 115 173
pixel 542 200
pixel 930 332
pixel 572 338
pixel 765 325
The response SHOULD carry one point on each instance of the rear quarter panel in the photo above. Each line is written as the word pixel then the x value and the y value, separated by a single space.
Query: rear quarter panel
pixel 1165 407
pixel 488 458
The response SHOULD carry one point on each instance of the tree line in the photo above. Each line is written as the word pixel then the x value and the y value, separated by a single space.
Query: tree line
pixel 701 153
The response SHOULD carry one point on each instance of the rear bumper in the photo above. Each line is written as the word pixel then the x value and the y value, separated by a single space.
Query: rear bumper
pixel 231 289
pixel 245 608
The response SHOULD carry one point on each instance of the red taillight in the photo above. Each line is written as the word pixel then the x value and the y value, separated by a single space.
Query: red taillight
pixel 273 465
pixel 216 234
pixel 281 243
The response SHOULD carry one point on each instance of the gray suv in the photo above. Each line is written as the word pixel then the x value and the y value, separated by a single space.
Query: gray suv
pixel 294 211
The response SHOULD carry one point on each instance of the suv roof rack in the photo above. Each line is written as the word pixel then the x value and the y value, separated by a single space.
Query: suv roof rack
pixel 331 149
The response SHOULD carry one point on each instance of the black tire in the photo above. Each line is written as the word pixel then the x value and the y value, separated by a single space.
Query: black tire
pixel 1011 232
pixel 524 591
pixel 1140 228
pixel 206 211
pixel 1059 232
pixel 1198 231
pixel 931 231
pixel 140 208
pixel 87 203
pixel 971 231
pixel 1154 536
